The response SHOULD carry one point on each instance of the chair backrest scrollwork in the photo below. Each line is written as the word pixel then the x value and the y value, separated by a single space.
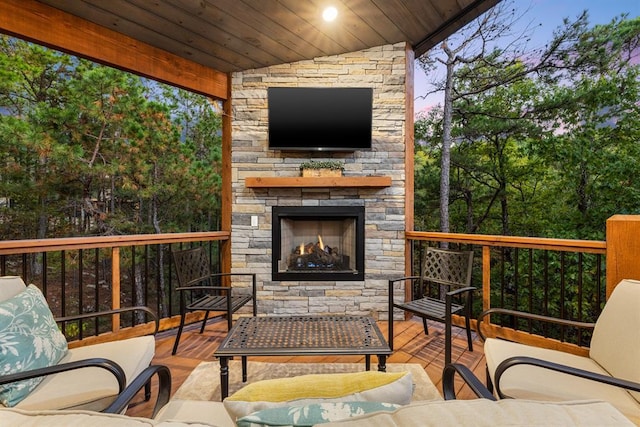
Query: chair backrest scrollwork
pixel 192 267
pixel 446 267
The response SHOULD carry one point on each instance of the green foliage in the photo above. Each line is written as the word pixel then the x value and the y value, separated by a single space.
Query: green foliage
pixel 550 154
pixel 322 164
pixel 87 149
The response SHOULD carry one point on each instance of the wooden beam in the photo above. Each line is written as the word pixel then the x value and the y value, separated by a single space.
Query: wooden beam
pixel 409 142
pixel 115 288
pixel 8 247
pixel 45 25
pixel 567 245
pixel 226 172
pixel 623 249
pixel 317 182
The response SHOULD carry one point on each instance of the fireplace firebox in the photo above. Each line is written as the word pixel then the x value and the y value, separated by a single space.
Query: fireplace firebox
pixel 318 243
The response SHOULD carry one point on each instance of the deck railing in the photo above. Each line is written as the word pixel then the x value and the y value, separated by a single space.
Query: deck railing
pixel 87 274
pixel 555 277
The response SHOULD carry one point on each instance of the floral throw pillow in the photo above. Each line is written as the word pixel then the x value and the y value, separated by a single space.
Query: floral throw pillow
pixel 29 339
pixel 365 386
pixel 313 414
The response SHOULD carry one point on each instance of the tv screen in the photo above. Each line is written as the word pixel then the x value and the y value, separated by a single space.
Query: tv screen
pixel 320 119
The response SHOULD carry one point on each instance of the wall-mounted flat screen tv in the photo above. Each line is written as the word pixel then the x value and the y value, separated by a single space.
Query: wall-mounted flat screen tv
pixel 320 119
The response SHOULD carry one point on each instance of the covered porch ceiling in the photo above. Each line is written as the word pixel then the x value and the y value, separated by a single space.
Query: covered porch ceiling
pixel 236 35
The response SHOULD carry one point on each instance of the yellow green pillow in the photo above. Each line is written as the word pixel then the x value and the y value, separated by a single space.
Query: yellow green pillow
pixel 372 386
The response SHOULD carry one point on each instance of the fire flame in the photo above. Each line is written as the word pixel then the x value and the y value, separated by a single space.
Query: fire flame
pixel 320 245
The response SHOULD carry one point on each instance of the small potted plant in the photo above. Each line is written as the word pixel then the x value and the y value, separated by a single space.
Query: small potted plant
pixel 313 168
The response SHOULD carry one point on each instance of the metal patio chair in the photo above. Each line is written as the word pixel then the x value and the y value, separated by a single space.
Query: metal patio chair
pixel 201 290
pixel 445 274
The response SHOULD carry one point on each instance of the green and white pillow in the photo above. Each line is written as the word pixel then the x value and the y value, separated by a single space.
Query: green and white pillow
pixel 29 339
pixel 367 386
pixel 310 415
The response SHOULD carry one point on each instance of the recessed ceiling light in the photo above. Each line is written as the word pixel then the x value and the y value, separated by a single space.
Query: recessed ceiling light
pixel 330 13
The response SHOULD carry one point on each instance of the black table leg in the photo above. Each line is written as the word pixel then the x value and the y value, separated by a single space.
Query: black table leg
pixel 224 377
pixel 367 362
pixel 244 369
pixel 382 363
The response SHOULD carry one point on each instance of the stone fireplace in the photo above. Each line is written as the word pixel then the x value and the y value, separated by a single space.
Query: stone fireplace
pixel 271 201
pixel 318 243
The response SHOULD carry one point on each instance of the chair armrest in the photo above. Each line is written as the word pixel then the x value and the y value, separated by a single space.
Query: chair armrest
pixel 96 362
pixel 202 288
pixel 164 390
pixel 525 315
pixel 232 274
pixel 461 290
pixel 400 279
pixel 391 281
pixel 197 287
pixel 448 383
pixel 111 312
pixel 569 370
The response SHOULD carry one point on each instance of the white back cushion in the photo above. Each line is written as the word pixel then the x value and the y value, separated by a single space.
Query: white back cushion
pixel 11 286
pixel 615 344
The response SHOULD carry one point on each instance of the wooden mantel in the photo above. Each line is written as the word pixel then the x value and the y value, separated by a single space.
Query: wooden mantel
pixel 303 182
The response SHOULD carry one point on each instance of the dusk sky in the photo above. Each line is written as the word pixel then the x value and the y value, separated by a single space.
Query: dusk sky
pixel 548 13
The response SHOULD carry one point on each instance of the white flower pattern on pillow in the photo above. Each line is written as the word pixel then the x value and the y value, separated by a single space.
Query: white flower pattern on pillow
pixel 29 339
pixel 312 414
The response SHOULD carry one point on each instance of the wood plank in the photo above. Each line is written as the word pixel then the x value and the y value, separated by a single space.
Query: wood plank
pixel 291 29
pixel 209 30
pixel 226 192
pixel 569 245
pixel 354 28
pixel 623 247
pixel 34 21
pixel 309 182
pixel 74 243
pixel 156 31
pixel 374 17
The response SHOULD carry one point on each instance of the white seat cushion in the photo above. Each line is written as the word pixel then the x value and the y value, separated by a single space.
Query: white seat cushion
pixel 11 286
pixel 529 382
pixel 91 388
pixel 195 411
pixel 615 344
pixel 77 418
pixel 487 413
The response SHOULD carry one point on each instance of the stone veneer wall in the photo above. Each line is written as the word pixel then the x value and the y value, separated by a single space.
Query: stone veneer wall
pixel 382 68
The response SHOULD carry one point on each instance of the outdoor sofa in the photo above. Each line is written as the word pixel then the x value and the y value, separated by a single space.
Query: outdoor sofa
pixel 484 411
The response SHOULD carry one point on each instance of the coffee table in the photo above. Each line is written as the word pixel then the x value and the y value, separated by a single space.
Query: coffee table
pixel 301 336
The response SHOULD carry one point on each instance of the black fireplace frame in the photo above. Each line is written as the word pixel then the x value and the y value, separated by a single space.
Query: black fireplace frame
pixel 312 212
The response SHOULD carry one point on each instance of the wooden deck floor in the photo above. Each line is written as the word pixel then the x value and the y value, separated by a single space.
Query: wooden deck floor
pixel 410 342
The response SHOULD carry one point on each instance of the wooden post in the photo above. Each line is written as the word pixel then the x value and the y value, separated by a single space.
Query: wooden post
pixel 115 287
pixel 409 141
pixel 623 249
pixel 226 192
pixel 486 277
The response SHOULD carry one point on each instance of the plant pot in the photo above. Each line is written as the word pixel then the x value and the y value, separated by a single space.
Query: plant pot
pixel 321 172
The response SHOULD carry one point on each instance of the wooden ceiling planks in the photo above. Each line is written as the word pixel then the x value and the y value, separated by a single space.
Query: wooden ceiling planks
pixel 234 35
pixel 37 22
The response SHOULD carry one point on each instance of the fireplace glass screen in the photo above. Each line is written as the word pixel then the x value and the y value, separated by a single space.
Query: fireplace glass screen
pixel 318 243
